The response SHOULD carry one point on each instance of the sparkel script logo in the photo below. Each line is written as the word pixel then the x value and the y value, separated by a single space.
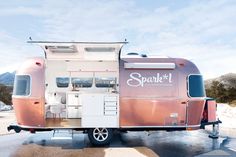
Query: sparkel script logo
pixel 136 79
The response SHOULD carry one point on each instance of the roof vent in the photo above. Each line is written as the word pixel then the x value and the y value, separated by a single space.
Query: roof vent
pixel 132 53
pixel 100 49
pixel 62 49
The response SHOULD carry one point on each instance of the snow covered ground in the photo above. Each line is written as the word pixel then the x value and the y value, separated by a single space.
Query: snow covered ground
pixel 6 118
pixel 4 107
pixel 227 115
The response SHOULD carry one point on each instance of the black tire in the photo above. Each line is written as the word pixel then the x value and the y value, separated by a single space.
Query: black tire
pixel 100 136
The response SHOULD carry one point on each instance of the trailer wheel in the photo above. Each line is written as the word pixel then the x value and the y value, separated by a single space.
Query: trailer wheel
pixel 100 136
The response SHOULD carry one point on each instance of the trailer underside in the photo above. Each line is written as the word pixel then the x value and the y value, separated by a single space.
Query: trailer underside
pixel 75 124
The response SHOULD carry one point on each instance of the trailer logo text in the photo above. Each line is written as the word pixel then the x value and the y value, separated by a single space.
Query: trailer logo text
pixel 136 79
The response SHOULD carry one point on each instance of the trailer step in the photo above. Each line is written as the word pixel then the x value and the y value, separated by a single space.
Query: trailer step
pixel 62 134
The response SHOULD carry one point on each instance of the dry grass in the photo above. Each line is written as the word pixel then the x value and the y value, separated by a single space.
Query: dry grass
pixel 33 150
pixel 233 103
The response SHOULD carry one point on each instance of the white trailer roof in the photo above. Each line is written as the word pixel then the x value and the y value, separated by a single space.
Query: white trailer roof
pixel 80 50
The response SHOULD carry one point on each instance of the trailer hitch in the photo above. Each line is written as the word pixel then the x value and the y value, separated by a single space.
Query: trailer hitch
pixel 17 129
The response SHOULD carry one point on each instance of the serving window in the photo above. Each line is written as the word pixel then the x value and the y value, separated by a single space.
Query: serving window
pixel 78 82
pixel 105 82
pixel 62 82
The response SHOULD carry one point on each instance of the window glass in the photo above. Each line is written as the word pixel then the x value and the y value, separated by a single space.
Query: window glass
pixel 62 82
pixel 196 86
pixel 22 85
pixel 81 82
pixel 109 82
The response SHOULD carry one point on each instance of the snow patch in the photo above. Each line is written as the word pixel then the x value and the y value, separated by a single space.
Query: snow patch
pixel 4 107
pixel 227 115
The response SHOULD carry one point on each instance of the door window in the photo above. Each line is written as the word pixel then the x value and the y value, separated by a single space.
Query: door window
pixel 196 86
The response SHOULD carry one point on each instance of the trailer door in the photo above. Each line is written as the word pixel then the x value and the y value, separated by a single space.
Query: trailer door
pixel 196 92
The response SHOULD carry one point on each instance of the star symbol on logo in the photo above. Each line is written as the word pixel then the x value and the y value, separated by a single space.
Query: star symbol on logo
pixel 165 77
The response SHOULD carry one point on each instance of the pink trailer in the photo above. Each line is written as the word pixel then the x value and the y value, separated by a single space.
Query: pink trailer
pixel 90 86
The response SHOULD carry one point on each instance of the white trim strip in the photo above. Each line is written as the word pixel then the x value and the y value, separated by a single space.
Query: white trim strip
pixel 171 126
pixel 46 127
pixel 149 65
pixel 75 127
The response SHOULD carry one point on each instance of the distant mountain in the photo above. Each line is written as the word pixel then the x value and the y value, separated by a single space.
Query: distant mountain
pixel 7 78
pixel 228 80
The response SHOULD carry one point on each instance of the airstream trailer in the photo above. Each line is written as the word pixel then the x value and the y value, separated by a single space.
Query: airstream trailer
pixel 90 86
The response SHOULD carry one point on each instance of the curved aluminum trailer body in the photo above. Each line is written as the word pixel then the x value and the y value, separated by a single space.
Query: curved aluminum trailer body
pixel 80 85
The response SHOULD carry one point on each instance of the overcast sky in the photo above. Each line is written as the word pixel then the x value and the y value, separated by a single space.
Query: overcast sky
pixel 200 30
